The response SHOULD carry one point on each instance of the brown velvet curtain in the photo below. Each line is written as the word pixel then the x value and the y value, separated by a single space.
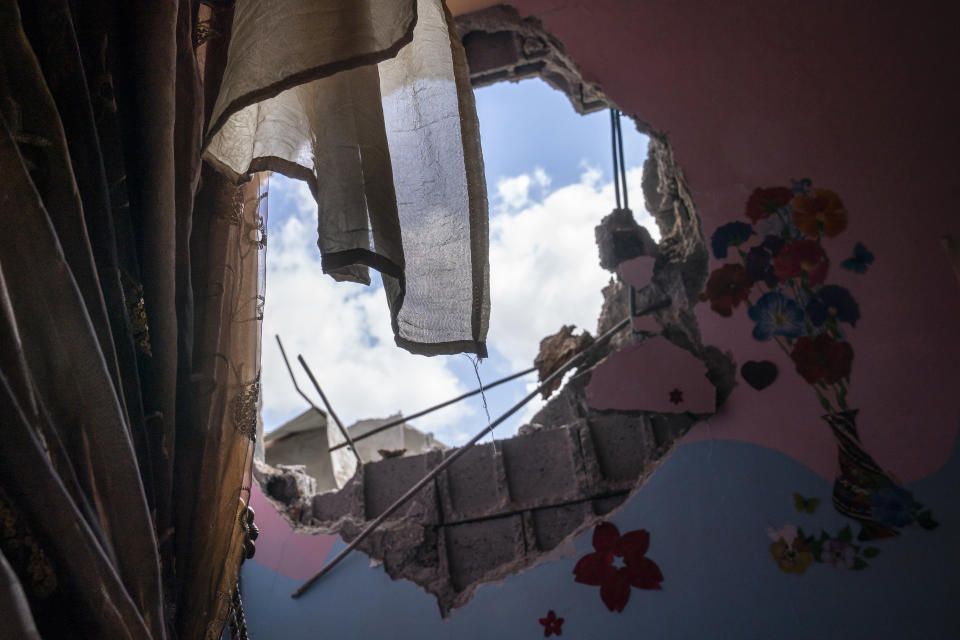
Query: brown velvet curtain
pixel 130 306
pixel 131 276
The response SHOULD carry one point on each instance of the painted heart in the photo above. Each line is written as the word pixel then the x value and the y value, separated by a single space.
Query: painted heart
pixel 759 375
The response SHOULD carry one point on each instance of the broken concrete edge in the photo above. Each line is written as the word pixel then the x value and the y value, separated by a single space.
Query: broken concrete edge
pixel 424 540
pixel 411 548
pixel 501 46
pixel 501 509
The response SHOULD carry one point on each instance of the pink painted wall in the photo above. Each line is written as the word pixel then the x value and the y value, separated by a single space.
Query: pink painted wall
pixel 862 99
pixel 294 555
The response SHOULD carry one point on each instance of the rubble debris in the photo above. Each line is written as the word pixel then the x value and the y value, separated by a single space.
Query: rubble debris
pixel 555 351
pixel 620 238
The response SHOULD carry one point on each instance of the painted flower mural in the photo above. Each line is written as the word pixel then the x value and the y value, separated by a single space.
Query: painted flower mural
pixel 795 551
pixel 763 203
pixel 776 314
pixel 838 554
pixel 833 302
pixel 758 260
pixel 822 360
pixel 792 557
pixel 552 625
pixel 782 282
pixel 617 564
pixel 727 287
pixel 819 211
pixel 804 259
pixel 730 235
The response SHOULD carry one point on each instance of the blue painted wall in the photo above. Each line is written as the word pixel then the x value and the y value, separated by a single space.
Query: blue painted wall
pixel 708 508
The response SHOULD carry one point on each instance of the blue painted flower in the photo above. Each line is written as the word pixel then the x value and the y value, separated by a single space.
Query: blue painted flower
pixel 729 235
pixel 861 259
pixel 776 314
pixel 893 506
pixel 832 301
pixel 758 260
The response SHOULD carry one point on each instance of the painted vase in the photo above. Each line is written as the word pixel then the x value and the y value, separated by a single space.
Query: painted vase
pixel 862 490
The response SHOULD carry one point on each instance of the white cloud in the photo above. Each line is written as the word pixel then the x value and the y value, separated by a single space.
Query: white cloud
pixel 343 331
pixel 513 193
pixel 541 178
pixel 544 266
pixel 544 273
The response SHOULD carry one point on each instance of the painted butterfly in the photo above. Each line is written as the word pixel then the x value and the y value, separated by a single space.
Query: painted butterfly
pixel 862 258
pixel 805 504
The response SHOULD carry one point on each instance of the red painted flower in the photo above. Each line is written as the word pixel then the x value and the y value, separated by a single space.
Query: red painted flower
pixel 597 569
pixel 676 396
pixel 819 212
pixel 802 256
pixel 764 202
pixel 727 287
pixel 822 359
pixel 551 624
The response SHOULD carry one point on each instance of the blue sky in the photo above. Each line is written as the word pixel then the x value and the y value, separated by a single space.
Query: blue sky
pixel 549 182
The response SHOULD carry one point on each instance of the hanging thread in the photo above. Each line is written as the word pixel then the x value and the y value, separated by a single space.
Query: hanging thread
pixel 614 146
pixel 620 184
pixel 623 165
pixel 619 165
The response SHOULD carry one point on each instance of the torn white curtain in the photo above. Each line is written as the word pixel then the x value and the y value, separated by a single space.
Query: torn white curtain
pixel 370 103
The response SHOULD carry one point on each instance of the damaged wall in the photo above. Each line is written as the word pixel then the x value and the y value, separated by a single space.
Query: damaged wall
pixel 746 527
pixel 505 506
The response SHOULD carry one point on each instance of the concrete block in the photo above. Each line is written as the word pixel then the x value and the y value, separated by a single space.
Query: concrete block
pixel 667 427
pixel 334 505
pixel 386 480
pixel 475 549
pixel 603 506
pixel 623 444
pixel 553 524
pixel 541 468
pixel 529 532
pixel 620 238
pixel 590 476
pixel 490 51
pixel 566 406
pixel 473 486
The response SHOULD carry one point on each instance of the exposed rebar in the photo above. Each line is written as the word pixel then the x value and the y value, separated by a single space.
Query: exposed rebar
pixel 420 414
pixel 399 502
pixel 307 398
pixel 623 164
pixel 333 414
pixel 613 144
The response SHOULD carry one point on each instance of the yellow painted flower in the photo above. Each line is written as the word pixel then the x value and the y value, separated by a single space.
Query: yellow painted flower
pixel 820 211
pixel 793 558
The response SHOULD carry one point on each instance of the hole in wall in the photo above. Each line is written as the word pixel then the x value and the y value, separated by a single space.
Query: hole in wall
pixel 549 181
pixel 508 504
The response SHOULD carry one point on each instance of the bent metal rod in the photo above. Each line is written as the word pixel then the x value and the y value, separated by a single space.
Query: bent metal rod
pixel 569 364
